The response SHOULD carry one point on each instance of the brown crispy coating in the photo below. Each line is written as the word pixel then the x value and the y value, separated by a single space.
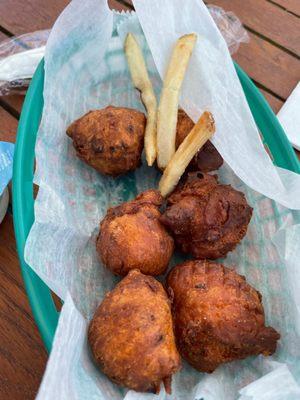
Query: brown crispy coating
pixel 205 218
pixel 218 316
pixel 131 335
pixel 110 140
pixel 132 237
pixel 207 158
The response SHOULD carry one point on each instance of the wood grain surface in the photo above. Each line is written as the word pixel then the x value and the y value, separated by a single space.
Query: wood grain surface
pixel 18 16
pixel 268 20
pixel 271 59
pixel 22 354
pixel 292 6
pixel 8 126
pixel 274 102
pixel 269 65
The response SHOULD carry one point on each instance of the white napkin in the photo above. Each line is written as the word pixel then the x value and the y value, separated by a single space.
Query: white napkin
pixel 289 117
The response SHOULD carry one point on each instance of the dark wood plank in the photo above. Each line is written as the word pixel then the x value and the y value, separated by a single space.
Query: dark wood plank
pixel 267 19
pixel 18 16
pixel 275 103
pixel 289 5
pixel 22 355
pixel 269 65
pixel 14 101
pixel 3 36
pixel 8 126
pixel 116 5
pixel 127 3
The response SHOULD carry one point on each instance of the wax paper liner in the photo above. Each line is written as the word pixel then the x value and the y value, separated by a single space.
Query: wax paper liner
pixel 85 69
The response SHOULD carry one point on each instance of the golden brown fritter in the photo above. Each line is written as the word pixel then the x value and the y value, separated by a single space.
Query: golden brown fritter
pixel 131 335
pixel 207 158
pixel 206 219
pixel 132 237
pixel 110 140
pixel 218 316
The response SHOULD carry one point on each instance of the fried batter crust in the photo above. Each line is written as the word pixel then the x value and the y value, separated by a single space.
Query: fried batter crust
pixel 206 219
pixel 110 140
pixel 218 317
pixel 131 335
pixel 132 237
pixel 207 158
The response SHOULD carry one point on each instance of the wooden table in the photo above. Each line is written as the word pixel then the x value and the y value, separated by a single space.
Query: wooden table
pixel 272 61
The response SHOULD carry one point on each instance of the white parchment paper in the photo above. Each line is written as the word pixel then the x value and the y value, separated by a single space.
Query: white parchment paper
pixel 85 69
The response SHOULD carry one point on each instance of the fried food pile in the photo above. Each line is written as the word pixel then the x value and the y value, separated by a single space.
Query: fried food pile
pixel 218 316
pixel 131 335
pixel 205 218
pixel 132 237
pixel 110 140
pixel 207 158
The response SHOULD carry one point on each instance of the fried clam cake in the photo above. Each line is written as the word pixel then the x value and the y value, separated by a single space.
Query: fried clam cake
pixel 110 140
pixel 131 335
pixel 131 236
pixel 205 218
pixel 218 316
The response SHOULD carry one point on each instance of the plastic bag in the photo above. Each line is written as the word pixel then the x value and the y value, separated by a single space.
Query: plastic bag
pixel 19 57
pixel 230 26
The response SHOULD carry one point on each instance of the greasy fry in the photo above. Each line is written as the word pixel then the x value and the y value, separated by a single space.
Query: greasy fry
pixel 168 106
pixel 202 131
pixel 142 82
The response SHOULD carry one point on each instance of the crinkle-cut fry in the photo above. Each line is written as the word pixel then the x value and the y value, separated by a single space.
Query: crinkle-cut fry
pixel 201 132
pixel 168 105
pixel 141 81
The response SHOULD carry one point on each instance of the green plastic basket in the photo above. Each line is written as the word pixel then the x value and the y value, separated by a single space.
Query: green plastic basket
pixel 43 308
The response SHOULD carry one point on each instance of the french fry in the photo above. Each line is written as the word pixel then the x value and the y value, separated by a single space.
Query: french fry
pixel 201 132
pixel 141 81
pixel 168 105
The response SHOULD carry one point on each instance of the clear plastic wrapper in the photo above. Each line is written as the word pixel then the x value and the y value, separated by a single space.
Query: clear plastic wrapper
pixel 19 57
pixel 230 26
pixel 85 68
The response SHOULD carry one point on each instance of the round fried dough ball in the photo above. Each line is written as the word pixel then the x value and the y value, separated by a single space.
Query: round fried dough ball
pixel 132 237
pixel 110 140
pixel 131 335
pixel 218 316
pixel 207 158
pixel 205 218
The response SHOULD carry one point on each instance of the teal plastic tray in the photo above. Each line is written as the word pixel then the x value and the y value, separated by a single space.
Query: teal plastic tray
pixel 44 311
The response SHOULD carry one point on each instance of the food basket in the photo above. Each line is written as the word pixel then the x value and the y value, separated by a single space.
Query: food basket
pixel 40 297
